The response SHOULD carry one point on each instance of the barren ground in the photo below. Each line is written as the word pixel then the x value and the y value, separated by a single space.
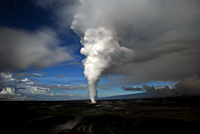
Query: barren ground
pixel 168 115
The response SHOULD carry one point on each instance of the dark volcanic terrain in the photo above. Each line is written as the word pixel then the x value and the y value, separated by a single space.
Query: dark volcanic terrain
pixel 168 115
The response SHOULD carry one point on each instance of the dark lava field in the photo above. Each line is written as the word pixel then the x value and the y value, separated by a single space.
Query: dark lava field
pixel 161 115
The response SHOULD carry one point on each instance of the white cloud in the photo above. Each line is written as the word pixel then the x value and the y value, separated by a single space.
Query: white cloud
pixel 31 90
pixel 8 90
pixel 37 74
pixel 20 49
pixel 6 74
pixel 25 89
pixel 64 87
pixel 29 74
pixel 25 79
pixel 9 94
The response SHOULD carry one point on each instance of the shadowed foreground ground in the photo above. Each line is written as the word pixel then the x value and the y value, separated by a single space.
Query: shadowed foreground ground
pixel 105 117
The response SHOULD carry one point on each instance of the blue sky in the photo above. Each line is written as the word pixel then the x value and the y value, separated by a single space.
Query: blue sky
pixel 27 16
pixel 41 60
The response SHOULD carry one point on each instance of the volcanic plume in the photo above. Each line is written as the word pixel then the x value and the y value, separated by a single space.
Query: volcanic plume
pixel 145 39
pixel 100 49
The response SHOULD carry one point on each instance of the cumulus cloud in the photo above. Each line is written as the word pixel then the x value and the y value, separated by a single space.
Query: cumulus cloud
pixel 14 88
pixel 9 94
pixel 44 92
pixel 6 80
pixel 31 90
pixel 20 49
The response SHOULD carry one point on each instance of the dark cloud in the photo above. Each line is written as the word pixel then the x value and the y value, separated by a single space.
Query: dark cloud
pixel 190 86
pixel 132 88
pixel 60 76
pixel 163 91
pixel 159 91
pixel 74 63
pixel 6 80
pixel 29 74
pixel 20 49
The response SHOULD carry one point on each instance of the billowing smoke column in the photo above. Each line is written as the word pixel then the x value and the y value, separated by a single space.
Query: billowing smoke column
pixel 99 40
pixel 100 49
pixel 97 57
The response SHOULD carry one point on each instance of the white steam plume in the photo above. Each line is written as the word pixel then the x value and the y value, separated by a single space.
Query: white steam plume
pixel 100 49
